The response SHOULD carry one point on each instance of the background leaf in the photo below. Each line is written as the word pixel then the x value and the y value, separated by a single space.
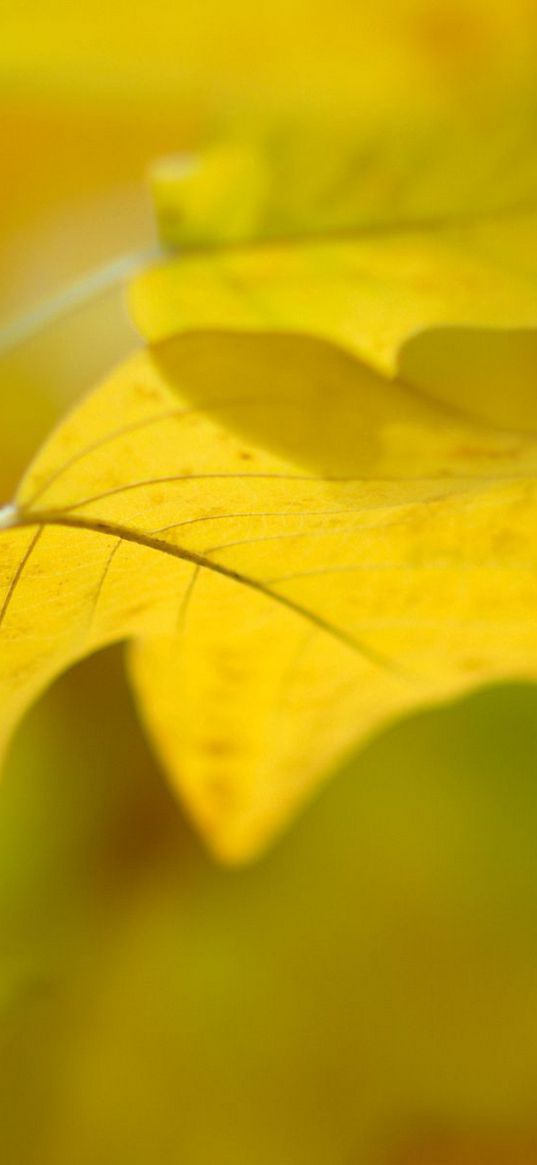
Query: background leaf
pixel 358 235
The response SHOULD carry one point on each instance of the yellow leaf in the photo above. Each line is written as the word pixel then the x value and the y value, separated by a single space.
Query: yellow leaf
pixel 362 235
pixel 297 548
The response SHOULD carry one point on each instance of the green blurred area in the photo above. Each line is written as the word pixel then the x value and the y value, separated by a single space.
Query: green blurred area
pixel 372 980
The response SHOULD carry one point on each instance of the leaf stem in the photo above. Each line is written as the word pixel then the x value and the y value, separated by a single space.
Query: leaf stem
pixel 75 295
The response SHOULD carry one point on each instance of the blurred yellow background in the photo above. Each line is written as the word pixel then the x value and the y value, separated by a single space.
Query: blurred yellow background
pixel 368 992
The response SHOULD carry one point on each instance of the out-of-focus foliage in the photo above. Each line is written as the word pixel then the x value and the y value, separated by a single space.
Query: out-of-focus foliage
pixel 358 234
pixel 92 94
pixel 292 51
pixel 367 992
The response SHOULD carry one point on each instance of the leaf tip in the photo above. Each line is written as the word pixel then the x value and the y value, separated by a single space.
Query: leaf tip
pixel 168 177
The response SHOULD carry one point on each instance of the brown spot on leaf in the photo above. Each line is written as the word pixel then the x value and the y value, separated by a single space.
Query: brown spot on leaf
pixel 220 748
pixel 221 794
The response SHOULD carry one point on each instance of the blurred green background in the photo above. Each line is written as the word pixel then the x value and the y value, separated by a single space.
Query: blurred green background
pixel 367 993
pixel 367 990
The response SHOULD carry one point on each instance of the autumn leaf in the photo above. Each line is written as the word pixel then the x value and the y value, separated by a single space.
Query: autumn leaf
pixel 309 505
pixel 359 235
pixel 297 548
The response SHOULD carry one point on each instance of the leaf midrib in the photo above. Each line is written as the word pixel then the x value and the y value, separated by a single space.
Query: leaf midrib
pixel 347 233
pixel 45 519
